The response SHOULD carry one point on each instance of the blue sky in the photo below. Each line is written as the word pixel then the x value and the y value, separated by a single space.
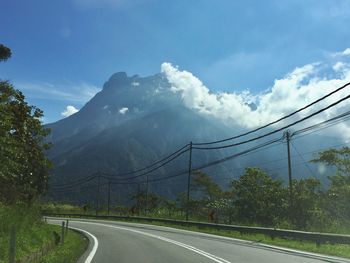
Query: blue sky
pixel 63 51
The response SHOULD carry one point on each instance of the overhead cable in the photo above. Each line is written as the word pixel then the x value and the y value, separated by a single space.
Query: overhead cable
pixel 277 130
pixel 276 121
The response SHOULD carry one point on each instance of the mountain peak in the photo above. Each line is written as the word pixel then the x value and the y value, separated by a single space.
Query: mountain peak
pixel 119 75
pixel 117 79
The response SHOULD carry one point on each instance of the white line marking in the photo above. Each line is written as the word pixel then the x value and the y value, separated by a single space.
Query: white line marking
pixel 191 248
pixel 94 248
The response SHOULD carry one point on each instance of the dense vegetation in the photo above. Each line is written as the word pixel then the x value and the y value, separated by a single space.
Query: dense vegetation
pixel 34 237
pixel 24 168
pixel 24 174
pixel 257 199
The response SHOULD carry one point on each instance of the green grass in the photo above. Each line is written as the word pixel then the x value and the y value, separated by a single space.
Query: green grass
pixel 74 246
pixel 32 234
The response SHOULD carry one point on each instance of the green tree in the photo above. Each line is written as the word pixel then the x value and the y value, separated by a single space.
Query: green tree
pixel 306 210
pixel 259 199
pixel 338 158
pixel 204 185
pixel 209 195
pixel 5 53
pixel 24 168
pixel 338 195
pixel 143 201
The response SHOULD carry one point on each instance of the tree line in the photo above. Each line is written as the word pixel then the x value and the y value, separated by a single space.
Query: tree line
pixel 258 199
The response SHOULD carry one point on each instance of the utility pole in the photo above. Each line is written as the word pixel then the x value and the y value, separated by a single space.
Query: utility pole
pixel 289 171
pixel 138 199
pixel 109 197
pixel 98 194
pixel 189 183
pixel 147 195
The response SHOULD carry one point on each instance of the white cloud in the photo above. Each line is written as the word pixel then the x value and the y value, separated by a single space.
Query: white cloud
pixel 346 52
pixel 70 92
pixel 123 110
pixel 135 84
pixel 298 88
pixel 338 66
pixel 69 111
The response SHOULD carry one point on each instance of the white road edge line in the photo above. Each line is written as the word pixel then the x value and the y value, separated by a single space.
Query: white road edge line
pixel 191 248
pixel 94 248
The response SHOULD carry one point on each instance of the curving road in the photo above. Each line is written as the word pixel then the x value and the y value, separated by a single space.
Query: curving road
pixel 129 242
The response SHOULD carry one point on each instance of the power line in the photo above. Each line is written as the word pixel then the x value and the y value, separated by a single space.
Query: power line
pixel 177 153
pixel 238 154
pixel 278 120
pixel 325 124
pixel 76 183
pixel 306 163
pixel 152 170
pixel 251 150
pixel 277 130
pixel 80 180
pixel 263 169
pixel 153 164
pixel 332 121
pixel 123 179
pixel 83 180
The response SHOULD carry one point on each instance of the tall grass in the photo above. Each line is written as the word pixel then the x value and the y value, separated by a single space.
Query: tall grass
pixel 31 232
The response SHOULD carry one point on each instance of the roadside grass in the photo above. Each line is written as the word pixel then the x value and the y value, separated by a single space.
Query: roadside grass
pixel 74 246
pixel 32 234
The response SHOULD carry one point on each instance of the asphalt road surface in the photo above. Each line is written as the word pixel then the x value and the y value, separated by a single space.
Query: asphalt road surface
pixel 131 243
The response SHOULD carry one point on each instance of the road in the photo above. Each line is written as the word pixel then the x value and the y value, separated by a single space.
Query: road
pixel 130 242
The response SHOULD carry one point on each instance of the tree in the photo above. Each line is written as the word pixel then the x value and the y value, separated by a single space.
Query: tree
pixel 205 186
pixel 5 53
pixel 338 195
pixel 210 195
pixel 258 199
pixel 306 202
pixel 338 158
pixel 143 201
pixel 24 168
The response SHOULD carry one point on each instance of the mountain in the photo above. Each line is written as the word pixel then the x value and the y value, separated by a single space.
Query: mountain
pixel 130 124
pixel 135 121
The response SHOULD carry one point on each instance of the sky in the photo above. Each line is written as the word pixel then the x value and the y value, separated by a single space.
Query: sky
pixel 64 51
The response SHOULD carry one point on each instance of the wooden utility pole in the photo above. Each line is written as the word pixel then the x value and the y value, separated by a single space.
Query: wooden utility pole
pixel 147 195
pixel 189 183
pixel 109 197
pixel 289 171
pixel 98 194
